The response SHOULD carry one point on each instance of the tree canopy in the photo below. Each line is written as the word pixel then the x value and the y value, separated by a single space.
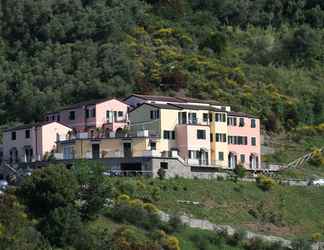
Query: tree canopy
pixel 264 57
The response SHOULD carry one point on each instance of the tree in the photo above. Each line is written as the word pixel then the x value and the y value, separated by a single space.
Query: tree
pixel 16 230
pixel 94 189
pixel 47 189
pixel 240 171
pixel 63 227
pixel 216 41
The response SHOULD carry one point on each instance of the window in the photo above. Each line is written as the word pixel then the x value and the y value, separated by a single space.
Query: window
pixel 164 165
pixel 27 133
pixel 120 113
pixel 192 118
pixel 182 117
pixel 220 117
pixel 237 140
pixel 93 112
pixel 242 158
pixel 205 117
pixel 201 134
pixel 220 137
pixel 109 116
pixel 210 117
pixel 155 114
pixel 166 134
pixel 87 113
pixel 253 123
pixel 173 135
pixel 58 118
pixel 13 136
pixel 193 154
pixel 241 124
pixel 53 117
pixel 72 115
pixel 153 145
pixel 253 141
pixel 221 156
pixel 231 121
pixel 224 117
pixel 169 135
pixel 47 118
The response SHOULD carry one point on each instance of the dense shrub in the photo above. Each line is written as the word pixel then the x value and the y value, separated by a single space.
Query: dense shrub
pixel 266 183
pixel 63 227
pixel 175 224
pixel 129 238
pixel 240 171
pixel 48 188
pixel 317 158
pixel 136 212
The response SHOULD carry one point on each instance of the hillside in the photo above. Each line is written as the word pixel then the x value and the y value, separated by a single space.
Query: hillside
pixel 81 209
pixel 264 57
pixel 289 212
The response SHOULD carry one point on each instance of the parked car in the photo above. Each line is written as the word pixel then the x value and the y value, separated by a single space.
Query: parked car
pixel 318 182
pixel 3 185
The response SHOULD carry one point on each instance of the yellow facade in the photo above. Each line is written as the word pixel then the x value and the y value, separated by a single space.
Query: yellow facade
pixel 109 148
pixel 219 147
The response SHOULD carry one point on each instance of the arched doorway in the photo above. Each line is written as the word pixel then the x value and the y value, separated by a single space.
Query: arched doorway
pixel 119 132
pixel 28 154
pixel 232 160
pixel 254 161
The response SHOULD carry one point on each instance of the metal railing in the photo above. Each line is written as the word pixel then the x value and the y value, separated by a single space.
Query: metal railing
pixel 127 173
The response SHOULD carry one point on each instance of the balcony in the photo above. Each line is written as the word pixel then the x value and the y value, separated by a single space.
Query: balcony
pixel 151 153
pixel 193 122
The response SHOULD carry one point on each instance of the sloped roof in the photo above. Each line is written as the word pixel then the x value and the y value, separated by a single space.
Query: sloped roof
pixel 159 106
pixel 31 125
pixel 241 114
pixel 196 107
pixel 85 103
pixel 175 99
pixel 155 98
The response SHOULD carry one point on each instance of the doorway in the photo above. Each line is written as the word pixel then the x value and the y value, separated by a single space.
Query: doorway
pixel 127 149
pixel 95 151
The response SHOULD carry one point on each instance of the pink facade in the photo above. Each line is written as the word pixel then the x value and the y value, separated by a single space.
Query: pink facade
pixel 244 141
pixel 32 143
pixel 195 150
pixel 109 114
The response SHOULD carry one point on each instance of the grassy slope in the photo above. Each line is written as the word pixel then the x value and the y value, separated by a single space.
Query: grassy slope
pixel 187 242
pixel 224 202
pixel 185 237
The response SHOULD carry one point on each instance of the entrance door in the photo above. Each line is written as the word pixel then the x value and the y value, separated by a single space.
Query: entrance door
pixel 203 158
pixel 95 151
pixel 254 162
pixel 28 154
pixel 127 149
pixel 232 161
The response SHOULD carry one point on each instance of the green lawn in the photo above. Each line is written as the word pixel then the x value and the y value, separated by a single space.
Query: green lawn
pixel 283 211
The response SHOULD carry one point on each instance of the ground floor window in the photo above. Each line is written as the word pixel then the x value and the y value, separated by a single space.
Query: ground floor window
pixel 221 156
pixel 164 165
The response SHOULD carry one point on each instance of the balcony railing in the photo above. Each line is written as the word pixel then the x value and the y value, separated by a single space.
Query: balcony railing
pixel 110 135
pixel 194 122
